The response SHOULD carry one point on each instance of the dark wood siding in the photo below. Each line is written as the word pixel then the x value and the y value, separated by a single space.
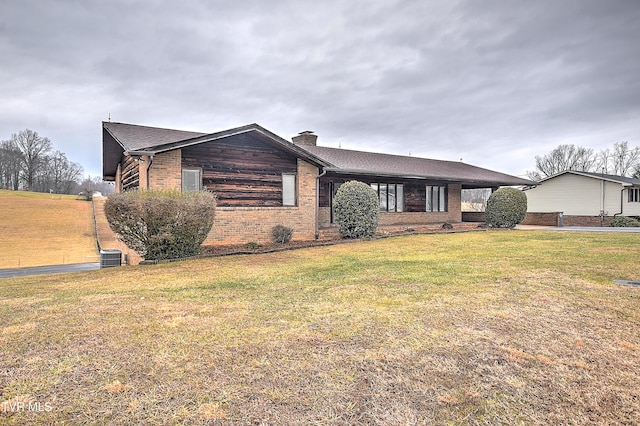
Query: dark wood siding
pixel 242 170
pixel 415 197
pixel 130 173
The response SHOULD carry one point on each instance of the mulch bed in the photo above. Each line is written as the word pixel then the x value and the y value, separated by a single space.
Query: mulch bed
pixel 252 248
pixel 226 250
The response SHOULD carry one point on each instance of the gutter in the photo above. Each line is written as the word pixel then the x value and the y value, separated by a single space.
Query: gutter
pixel 138 153
pixel 440 179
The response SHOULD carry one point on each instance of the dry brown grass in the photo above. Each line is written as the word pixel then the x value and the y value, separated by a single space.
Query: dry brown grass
pixel 40 229
pixel 479 328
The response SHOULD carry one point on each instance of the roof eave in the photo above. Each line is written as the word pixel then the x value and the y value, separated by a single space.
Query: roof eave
pixel 115 138
pixel 588 175
pixel 475 182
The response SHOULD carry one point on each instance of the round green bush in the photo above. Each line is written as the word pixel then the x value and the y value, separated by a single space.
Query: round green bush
pixel 625 222
pixel 506 208
pixel 357 210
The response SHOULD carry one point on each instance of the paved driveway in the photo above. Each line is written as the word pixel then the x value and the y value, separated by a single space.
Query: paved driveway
pixel 52 269
pixel 578 228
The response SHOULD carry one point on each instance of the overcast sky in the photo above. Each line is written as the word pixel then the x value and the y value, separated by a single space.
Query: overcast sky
pixel 494 82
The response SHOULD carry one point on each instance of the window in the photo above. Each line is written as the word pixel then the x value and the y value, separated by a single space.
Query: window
pixel 288 189
pixel 634 195
pixel 191 180
pixel 436 198
pixel 391 196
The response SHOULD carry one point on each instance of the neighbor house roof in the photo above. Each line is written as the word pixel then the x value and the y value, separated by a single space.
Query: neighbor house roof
pixel 130 139
pixel 370 163
pixel 623 180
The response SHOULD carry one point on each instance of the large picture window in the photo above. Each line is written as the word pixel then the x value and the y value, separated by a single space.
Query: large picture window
pixel 191 180
pixel 288 189
pixel 634 195
pixel 391 196
pixel 436 198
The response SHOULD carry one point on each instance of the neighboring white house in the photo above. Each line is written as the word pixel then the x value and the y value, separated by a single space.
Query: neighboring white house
pixel 585 195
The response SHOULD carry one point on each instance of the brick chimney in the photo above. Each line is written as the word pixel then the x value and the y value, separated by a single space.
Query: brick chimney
pixel 306 138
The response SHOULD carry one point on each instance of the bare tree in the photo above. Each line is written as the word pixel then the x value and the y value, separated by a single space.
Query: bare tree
pixel 534 175
pixel 563 158
pixel 34 150
pixel 89 185
pixel 57 174
pixel 10 165
pixel 622 160
pixel 71 176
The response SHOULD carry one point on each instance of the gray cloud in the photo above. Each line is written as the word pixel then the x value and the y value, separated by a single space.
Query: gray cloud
pixel 492 82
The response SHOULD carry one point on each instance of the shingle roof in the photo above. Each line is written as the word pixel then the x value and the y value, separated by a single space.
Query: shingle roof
pixel 134 138
pixel 144 140
pixel 354 162
pixel 615 178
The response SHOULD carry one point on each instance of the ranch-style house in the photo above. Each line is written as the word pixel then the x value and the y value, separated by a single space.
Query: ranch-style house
pixel 261 179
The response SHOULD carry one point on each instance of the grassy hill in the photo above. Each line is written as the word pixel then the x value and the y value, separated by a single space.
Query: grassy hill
pixel 41 229
pixel 497 327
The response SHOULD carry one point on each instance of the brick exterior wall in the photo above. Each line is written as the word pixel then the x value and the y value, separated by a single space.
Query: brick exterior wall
pixel 239 225
pixel 143 173
pixel 547 219
pixel 165 171
pixel 587 220
pixel 453 215
pixel 473 217
pixel 552 219
pixel 541 219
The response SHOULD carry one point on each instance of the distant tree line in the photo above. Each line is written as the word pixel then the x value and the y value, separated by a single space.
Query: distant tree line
pixel 28 161
pixel 621 160
pixel 90 185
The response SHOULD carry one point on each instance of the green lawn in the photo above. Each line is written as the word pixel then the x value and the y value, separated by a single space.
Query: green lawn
pixel 496 327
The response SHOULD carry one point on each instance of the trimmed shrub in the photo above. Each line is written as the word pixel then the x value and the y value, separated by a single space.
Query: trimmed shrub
pixel 506 208
pixel 281 234
pixel 625 222
pixel 161 224
pixel 357 210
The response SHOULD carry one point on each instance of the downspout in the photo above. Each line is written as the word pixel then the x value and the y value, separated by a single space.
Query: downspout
pixel 602 211
pixel 324 172
pixel 621 202
pixel 148 168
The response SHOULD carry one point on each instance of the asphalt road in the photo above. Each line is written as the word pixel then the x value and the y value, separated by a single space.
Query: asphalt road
pixel 52 269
